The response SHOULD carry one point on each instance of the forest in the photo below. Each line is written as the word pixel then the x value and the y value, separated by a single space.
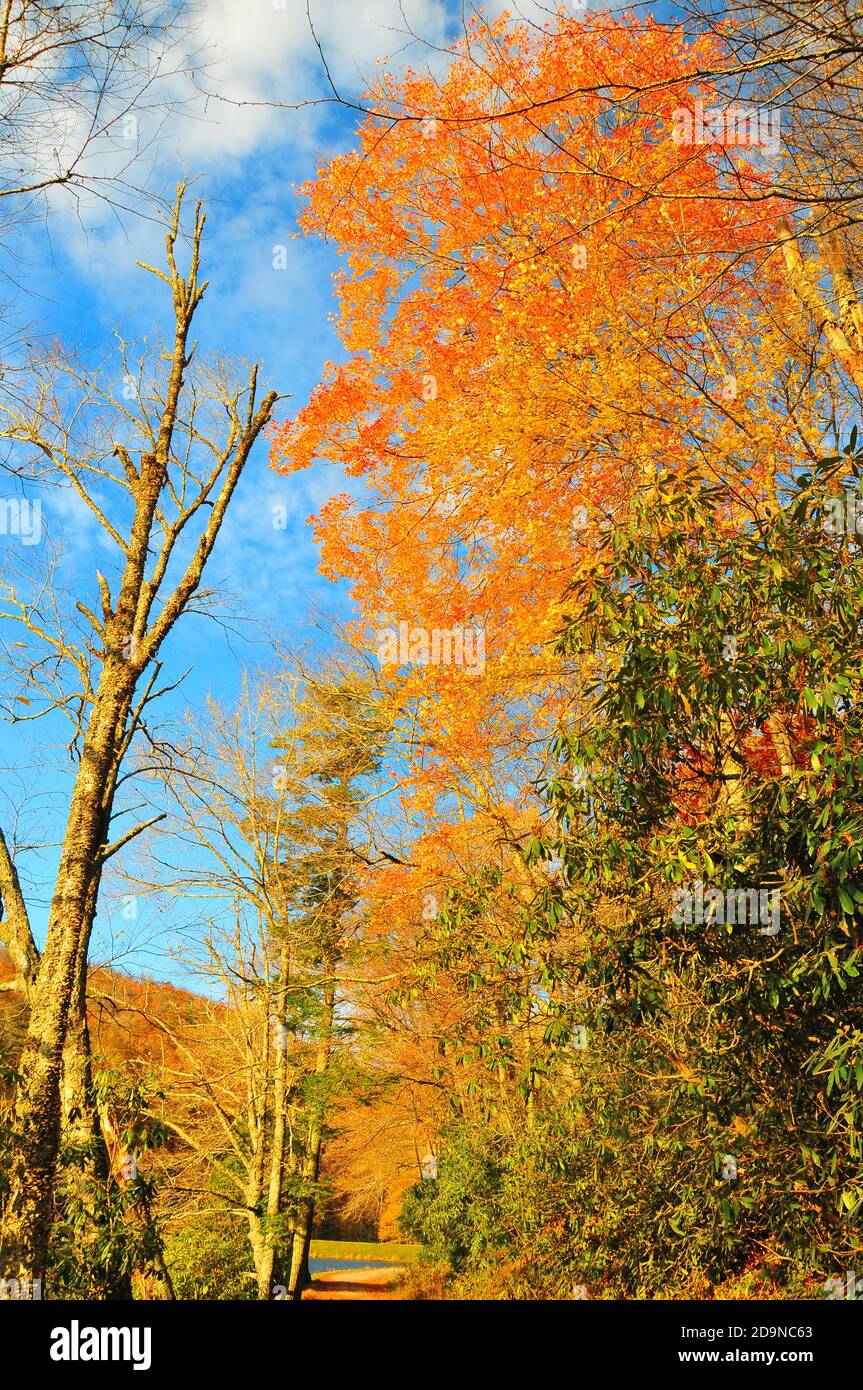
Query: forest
pixel 431 651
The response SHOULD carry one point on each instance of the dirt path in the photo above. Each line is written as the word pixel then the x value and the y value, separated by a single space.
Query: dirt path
pixel 374 1282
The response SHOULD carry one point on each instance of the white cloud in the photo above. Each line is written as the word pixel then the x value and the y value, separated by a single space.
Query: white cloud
pixel 249 154
pixel 261 51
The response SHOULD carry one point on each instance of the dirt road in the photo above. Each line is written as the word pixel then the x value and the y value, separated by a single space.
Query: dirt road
pixel 377 1282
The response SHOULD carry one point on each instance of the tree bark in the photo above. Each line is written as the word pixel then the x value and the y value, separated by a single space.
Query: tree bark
pixel 28 1216
pixel 842 331
pixel 299 1277
pixel 277 1152
pixel 88 1177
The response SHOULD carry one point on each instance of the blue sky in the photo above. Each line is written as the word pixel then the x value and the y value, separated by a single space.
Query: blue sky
pixel 74 277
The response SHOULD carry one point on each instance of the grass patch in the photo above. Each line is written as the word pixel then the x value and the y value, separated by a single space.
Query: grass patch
pixel 381 1252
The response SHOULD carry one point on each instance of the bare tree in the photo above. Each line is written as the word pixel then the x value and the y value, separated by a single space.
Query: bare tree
pixel 156 469
pixel 268 797
pixel 231 1083
pixel 86 91
pixel 234 843
pixel 80 83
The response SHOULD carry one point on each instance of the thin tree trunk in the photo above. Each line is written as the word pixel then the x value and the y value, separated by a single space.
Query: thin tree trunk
pixel 256 1233
pixel 299 1277
pixel 842 331
pixel 277 1151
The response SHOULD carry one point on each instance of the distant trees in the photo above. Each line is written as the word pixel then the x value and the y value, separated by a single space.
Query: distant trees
pixel 272 800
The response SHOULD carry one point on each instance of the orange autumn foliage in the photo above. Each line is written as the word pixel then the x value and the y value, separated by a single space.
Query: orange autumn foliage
pixel 546 300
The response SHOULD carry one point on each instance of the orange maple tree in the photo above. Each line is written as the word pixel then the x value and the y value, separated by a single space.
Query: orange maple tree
pixel 547 299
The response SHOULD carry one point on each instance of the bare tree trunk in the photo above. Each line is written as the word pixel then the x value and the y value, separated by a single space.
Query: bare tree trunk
pixel 144 1218
pixel 299 1277
pixel 15 932
pixel 130 634
pixel 28 1216
pixel 277 1150
pixel 86 1179
pixel 843 330
pixel 79 1115
pixel 256 1232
